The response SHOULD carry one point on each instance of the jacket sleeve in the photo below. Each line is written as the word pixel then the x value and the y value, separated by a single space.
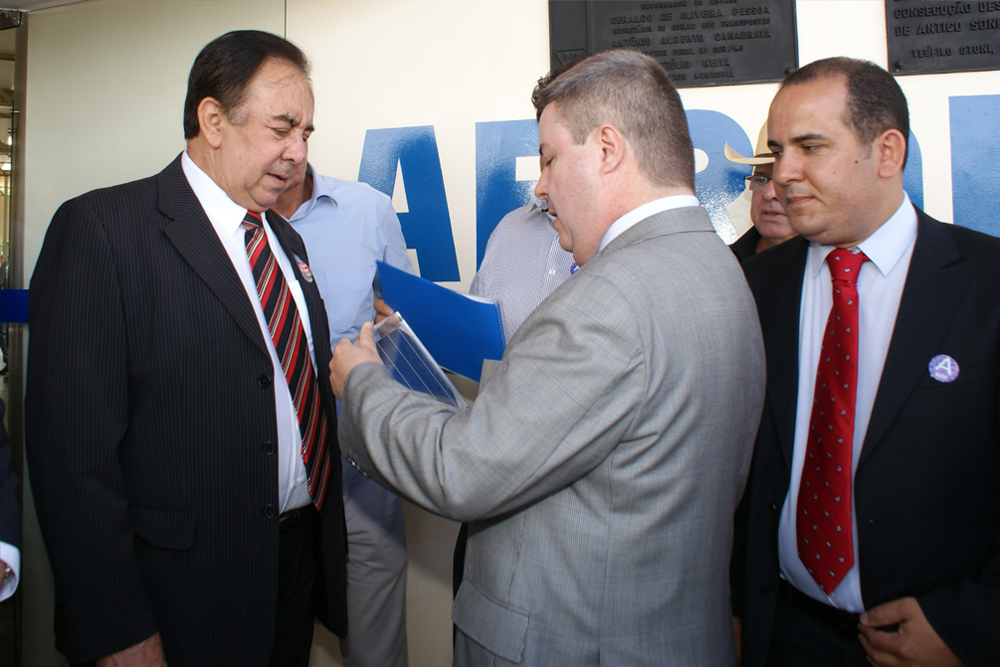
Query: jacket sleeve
pixel 76 415
pixel 472 463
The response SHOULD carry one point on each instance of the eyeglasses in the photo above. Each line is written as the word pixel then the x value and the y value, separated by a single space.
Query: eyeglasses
pixel 757 182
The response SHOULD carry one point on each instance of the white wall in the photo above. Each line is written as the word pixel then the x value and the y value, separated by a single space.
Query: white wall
pixel 105 92
pixel 395 63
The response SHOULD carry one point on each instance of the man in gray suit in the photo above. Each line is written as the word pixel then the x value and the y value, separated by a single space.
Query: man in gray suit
pixel 604 457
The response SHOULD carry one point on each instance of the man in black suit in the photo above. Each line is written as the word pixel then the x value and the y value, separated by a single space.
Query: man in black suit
pixel 190 504
pixel 885 546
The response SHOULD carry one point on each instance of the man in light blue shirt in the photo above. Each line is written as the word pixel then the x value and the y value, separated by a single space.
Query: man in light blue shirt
pixel 347 227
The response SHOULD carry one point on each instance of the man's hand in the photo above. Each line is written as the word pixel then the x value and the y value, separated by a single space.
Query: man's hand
pixel 347 356
pixel 382 310
pixel 147 653
pixel 916 644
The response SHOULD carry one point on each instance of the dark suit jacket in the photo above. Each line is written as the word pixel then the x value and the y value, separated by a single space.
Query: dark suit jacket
pixel 746 246
pixel 151 431
pixel 10 509
pixel 927 486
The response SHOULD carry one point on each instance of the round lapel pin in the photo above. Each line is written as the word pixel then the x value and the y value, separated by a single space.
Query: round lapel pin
pixel 943 368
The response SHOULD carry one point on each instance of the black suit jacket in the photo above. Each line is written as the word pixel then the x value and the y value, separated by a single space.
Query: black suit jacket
pixel 151 431
pixel 10 509
pixel 927 486
pixel 745 246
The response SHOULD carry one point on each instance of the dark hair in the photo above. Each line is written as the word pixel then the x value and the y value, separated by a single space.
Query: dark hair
pixel 875 102
pixel 546 81
pixel 226 66
pixel 634 93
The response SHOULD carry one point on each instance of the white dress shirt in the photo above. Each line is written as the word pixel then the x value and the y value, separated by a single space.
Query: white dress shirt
pixel 642 212
pixel 880 287
pixel 226 217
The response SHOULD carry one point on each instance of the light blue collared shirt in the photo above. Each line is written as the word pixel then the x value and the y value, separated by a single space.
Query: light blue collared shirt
pixel 348 226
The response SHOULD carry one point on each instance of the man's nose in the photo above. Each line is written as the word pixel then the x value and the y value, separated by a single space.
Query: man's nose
pixel 786 169
pixel 541 186
pixel 769 192
pixel 297 150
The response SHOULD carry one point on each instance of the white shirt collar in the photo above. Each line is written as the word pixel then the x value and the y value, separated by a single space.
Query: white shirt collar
pixel 641 213
pixel 885 247
pixel 224 213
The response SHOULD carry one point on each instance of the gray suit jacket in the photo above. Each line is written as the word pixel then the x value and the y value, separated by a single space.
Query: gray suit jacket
pixel 601 463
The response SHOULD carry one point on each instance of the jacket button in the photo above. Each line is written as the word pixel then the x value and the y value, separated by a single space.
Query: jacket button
pixel 774 508
pixel 268 448
pixel 768 589
pixel 269 511
pixel 264 381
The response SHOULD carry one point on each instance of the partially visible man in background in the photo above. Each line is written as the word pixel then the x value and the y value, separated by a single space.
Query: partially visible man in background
pixel 347 227
pixel 770 223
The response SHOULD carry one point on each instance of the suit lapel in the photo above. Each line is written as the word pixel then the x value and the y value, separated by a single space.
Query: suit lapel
pixel 295 250
pixel 192 234
pixel 930 297
pixel 779 316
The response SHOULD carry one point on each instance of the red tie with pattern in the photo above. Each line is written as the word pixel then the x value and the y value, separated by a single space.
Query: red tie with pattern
pixel 823 521
pixel 293 350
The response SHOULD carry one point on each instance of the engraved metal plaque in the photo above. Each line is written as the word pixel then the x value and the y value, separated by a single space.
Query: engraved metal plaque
pixel 926 37
pixel 700 42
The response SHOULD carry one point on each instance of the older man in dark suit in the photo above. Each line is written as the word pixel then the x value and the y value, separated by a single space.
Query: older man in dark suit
pixel 179 422
pixel 872 514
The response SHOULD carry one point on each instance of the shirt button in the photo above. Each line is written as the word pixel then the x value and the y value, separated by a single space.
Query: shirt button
pixel 264 381
pixel 552 272
pixel 269 511
pixel 268 448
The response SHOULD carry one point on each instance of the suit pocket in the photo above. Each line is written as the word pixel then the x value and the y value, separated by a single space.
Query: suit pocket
pixel 163 528
pixel 497 627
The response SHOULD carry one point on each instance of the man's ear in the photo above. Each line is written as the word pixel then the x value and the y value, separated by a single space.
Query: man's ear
pixel 612 143
pixel 891 147
pixel 210 120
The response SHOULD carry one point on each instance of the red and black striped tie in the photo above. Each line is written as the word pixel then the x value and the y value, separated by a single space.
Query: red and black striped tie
pixel 293 349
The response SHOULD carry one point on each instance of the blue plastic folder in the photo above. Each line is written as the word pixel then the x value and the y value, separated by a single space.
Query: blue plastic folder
pixel 458 331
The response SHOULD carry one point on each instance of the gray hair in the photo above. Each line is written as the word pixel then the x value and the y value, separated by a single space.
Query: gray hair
pixel 633 92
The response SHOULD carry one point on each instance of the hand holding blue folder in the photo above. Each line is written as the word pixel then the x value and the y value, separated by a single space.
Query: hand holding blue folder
pixel 458 331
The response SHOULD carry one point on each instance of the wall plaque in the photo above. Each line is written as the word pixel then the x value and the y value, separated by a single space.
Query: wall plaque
pixel 926 37
pixel 700 42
